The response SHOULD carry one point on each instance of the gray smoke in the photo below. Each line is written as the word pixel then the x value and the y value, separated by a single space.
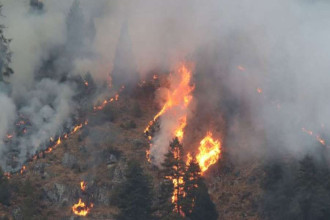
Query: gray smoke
pixel 278 46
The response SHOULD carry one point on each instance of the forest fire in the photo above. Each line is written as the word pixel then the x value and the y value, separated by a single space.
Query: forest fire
pixel 180 98
pixel 179 131
pixel 318 137
pixel 81 209
pixel 174 113
pixel 209 152
pixel 107 101
pixel 23 169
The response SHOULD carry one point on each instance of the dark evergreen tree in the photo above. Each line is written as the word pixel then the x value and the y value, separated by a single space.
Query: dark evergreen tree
pixel 197 204
pixel 192 179
pixel 165 206
pixel 4 189
pixel 173 170
pixel 134 196
pixel 203 208
pixel 5 54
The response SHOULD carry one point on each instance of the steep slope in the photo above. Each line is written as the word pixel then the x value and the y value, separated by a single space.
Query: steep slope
pixel 50 185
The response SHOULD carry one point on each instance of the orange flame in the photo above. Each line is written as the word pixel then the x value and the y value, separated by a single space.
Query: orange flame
pixel 83 185
pixel 105 102
pixel 23 169
pixel 148 156
pixel 209 152
pixel 181 95
pixel 179 131
pixel 81 209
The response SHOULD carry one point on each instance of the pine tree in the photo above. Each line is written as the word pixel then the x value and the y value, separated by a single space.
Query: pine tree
pixel 203 208
pixel 192 179
pixel 165 206
pixel 134 196
pixel 173 170
pixel 5 54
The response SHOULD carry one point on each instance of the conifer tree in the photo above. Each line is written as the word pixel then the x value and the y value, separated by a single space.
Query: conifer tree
pixel 192 179
pixel 203 207
pixel 197 204
pixel 134 196
pixel 173 170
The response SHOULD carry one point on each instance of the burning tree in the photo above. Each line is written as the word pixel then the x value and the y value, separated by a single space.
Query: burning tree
pixel 184 183
pixel 192 179
pixel 203 207
pixel 174 170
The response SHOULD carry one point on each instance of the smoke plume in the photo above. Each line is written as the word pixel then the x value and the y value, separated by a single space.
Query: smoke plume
pixel 260 68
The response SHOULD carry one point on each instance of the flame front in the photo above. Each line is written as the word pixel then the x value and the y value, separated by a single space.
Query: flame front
pixel 107 101
pixel 179 97
pixel 318 137
pixel 209 152
pixel 81 209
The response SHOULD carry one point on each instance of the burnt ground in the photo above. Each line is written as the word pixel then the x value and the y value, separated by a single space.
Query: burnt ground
pixel 97 154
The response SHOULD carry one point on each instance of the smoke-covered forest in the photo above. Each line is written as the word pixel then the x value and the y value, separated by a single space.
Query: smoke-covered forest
pixel 164 110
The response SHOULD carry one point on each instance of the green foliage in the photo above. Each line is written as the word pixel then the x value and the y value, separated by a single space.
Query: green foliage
pixel 192 180
pixel 134 196
pixel 5 191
